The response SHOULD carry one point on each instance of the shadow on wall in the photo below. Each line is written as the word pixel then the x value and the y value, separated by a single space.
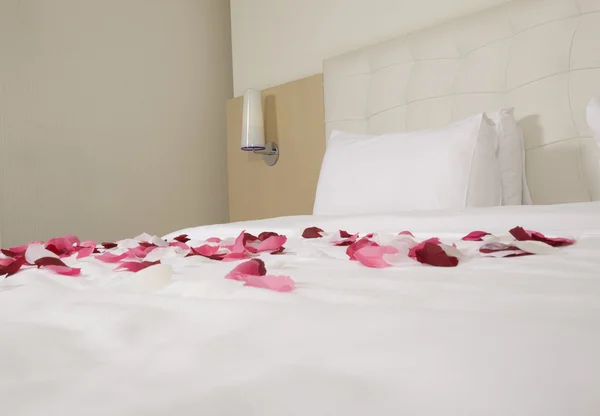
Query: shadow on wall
pixel 553 168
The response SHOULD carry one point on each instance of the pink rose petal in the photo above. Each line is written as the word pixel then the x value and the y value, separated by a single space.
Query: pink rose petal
pixel 64 270
pixel 111 258
pixel 345 241
pixel 85 252
pixel 363 242
pixel 266 234
pixel 372 256
pixel 280 284
pixel 214 240
pixel 406 233
pixel 205 250
pixel 475 236
pixel 312 232
pixel 270 244
pixel 254 267
pixel 133 266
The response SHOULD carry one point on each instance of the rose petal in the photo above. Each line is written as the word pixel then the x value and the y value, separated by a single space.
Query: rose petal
pixel 133 266
pixel 35 252
pixel 270 244
pixel 213 240
pixel 12 267
pixel 406 233
pixel 49 261
pixel 345 241
pixel 345 234
pixel 372 256
pixel 183 238
pixel 254 267
pixel 179 244
pixel 280 284
pixel 413 251
pixel 205 250
pixel 264 235
pixel 312 232
pixel 363 242
pixel 108 246
pixel 85 252
pixel 434 255
pixel 9 253
pixel 475 236
pixel 64 270
pixel 111 258
pixel 232 257
pixel 521 234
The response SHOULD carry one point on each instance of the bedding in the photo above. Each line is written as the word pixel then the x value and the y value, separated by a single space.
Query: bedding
pixel 451 167
pixel 492 336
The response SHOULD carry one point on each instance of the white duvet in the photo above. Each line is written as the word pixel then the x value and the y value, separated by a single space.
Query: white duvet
pixel 517 336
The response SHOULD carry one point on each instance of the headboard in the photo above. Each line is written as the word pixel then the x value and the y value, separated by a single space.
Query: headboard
pixel 541 57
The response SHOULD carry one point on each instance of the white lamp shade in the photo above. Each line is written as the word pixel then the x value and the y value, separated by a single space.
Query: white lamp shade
pixel 593 117
pixel 253 127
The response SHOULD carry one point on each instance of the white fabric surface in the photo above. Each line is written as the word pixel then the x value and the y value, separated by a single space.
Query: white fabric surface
pixel 538 56
pixel 451 167
pixel 491 337
pixel 511 158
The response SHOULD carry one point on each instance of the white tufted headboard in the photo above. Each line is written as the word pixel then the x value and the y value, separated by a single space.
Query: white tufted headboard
pixel 541 57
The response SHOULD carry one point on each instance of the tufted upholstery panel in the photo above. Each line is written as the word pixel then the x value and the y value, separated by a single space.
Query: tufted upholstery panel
pixel 541 57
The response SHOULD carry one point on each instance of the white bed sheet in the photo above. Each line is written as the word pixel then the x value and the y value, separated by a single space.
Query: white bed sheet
pixel 514 336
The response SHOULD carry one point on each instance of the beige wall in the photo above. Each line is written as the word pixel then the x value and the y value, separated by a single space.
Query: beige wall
pixel 276 41
pixel 112 116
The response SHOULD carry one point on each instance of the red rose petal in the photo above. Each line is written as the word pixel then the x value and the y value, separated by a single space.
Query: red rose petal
pixel 12 267
pixel 264 235
pixel 270 244
pixel 434 255
pixel 475 236
pixel 345 234
pixel 412 253
pixel 133 266
pixel 521 234
pixel 183 238
pixel 10 253
pixel 345 241
pixel 49 261
pixel 109 246
pixel 313 232
pixel 280 250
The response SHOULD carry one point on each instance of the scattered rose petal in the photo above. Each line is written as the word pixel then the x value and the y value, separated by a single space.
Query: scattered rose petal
pixel 205 250
pixel 35 252
pixel 363 242
pixel 280 250
pixel 524 235
pixel 345 234
pixel 12 267
pixel 141 251
pixel 254 267
pixel 452 250
pixel 413 251
pixel 179 244
pixel 111 258
pixel 233 257
pixel 183 238
pixel 475 236
pixel 270 244
pixel 373 256
pixel 313 232
pixel 501 250
pixel 133 266
pixel 9 253
pixel 264 235
pixel 434 255
pixel 213 240
pixel 280 284
pixel 85 252
pixel 407 233
pixel 345 241
pixel 108 246
pixel 49 261
pixel 64 270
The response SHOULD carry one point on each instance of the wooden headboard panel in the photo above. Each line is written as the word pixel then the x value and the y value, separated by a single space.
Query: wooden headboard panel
pixel 294 119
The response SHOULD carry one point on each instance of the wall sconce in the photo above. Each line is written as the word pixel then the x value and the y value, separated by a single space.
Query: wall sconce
pixel 253 129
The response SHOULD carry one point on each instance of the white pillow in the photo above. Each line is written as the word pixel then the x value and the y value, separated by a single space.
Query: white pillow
pixel 452 167
pixel 511 158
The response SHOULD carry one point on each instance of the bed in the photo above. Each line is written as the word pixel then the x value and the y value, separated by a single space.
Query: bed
pixel 179 325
